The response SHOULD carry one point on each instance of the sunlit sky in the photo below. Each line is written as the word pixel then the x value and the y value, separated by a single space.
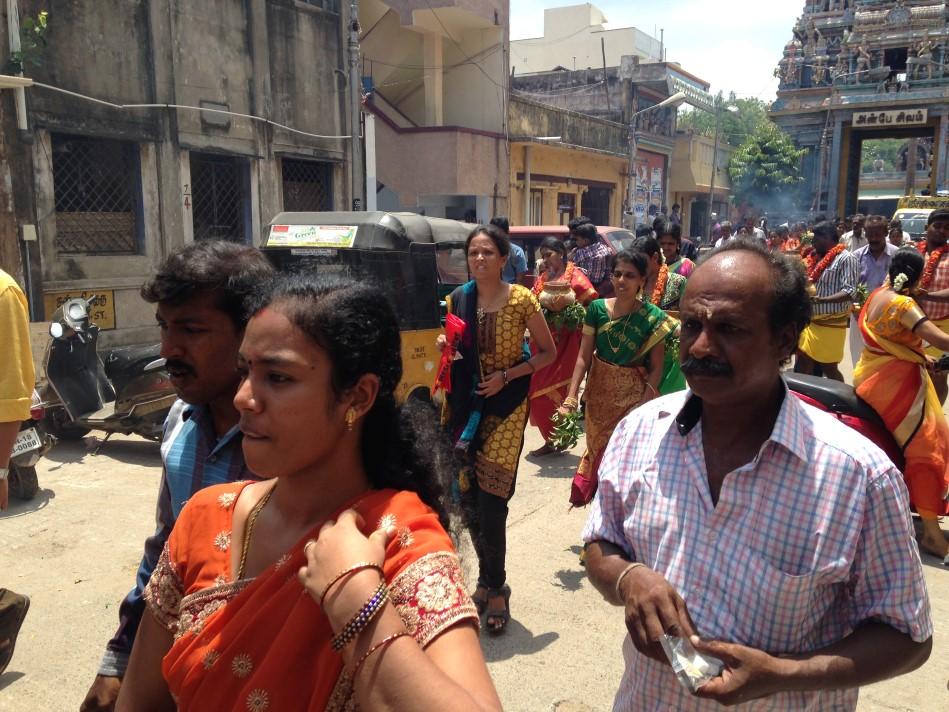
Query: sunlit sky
pixel 733 44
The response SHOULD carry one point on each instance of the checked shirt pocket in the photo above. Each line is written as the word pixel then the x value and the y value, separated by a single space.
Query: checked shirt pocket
pixel 772 609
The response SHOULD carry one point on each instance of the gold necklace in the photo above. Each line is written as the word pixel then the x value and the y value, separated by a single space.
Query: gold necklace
pixel 609 329
pixel 251 520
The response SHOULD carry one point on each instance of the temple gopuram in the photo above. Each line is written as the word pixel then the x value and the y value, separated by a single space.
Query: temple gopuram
pixel 857 70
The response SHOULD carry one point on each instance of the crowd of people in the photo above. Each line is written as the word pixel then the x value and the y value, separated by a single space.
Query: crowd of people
pixel 304 555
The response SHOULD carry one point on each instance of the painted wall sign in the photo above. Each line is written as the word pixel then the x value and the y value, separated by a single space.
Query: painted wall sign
pixel 102 311
pixel 330 236
pixel 881 119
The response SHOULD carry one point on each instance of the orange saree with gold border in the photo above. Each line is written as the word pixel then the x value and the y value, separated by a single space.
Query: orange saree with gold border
pixel 891 376
pixel 263 644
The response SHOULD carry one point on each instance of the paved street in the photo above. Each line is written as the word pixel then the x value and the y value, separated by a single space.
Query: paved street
pixel 75 548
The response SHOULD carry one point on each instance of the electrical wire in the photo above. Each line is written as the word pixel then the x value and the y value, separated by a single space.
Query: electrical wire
pixel 186 107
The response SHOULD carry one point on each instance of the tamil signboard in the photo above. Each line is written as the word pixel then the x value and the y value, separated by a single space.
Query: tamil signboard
pixel 101 304
pixel 894 118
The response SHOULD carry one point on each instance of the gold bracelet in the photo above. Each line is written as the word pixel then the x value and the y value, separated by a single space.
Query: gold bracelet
pixel 634 565
pixel 359 566
pixel 381 644
pixel 570 402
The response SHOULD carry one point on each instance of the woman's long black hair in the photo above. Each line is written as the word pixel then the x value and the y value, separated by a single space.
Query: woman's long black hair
pixel 356 326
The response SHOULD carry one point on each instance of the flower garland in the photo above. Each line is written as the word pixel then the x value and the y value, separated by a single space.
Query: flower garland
pixel 660 287
pixel 815 271
pixel 929 272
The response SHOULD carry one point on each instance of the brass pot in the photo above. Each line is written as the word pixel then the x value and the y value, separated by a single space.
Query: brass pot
pixel 556 296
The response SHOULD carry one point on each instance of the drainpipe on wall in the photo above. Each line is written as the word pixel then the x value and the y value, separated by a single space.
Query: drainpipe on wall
pixel 355 109
pixel 13 31
pixel 370 162
pixel 527 185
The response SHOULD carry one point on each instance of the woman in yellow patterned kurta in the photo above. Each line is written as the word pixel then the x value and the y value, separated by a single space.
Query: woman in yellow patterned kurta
pixel 486 410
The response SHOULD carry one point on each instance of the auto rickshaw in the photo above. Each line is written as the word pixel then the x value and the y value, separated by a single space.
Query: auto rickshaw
pixel 416 260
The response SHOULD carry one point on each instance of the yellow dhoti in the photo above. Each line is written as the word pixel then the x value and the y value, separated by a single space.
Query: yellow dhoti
pixel 824 338
pixel 943 326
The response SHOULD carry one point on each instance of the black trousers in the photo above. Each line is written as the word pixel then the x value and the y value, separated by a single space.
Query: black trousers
pixel 485 517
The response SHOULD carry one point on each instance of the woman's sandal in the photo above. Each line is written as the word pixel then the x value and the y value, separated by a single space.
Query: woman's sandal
pixel 503 617
pixel 481 602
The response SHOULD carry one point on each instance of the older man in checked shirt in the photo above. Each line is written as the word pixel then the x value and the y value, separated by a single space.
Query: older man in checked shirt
pixel 736 513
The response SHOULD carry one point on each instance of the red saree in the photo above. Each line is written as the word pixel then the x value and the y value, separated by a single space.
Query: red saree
pixel 264 644
pixel 549 385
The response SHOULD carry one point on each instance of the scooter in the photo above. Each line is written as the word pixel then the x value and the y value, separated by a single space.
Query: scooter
pixel 32 442
pixel 129 393
pixel 841 401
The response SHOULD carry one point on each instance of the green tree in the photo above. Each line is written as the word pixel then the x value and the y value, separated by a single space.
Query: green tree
pixel 766 168
pixel 737 124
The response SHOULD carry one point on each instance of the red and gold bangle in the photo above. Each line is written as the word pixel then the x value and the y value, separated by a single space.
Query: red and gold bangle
pixel 381 644
pixel 358 566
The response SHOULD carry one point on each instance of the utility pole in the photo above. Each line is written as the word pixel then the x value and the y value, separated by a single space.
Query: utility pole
pixel 711 183
pixel 355 109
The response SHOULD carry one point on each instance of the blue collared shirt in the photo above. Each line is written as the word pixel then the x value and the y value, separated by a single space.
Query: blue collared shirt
pixel 874 271
pixel 193 457
pixel 516 265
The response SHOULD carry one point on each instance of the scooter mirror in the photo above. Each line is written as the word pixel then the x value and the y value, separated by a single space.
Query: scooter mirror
pixel 56 330
pixel 155 365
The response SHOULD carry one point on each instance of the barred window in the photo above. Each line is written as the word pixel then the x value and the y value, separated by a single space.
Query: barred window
pixel 219 197
pixel 307 185
pixel 329 5
pixel 97 189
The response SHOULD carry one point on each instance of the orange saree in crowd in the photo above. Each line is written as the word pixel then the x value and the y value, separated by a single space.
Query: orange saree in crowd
pixel 549 385
pixel 891 376
pixel 263 643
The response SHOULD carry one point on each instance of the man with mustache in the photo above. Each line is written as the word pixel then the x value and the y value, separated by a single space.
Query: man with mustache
pixel 735 512
pixel 201 292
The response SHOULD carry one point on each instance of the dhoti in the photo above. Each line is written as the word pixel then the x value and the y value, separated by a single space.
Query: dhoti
pixel 823 339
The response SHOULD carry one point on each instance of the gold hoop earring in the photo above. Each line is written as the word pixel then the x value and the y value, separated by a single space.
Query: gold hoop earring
pixel 350 418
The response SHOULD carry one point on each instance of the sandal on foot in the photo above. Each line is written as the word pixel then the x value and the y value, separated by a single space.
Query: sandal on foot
pixel 481 602
pixel 545 449
pixel 504 615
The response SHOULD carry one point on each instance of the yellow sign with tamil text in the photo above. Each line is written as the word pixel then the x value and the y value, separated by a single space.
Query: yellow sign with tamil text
pixel 102 309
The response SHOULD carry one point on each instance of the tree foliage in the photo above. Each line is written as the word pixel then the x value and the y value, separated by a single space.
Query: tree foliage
pixel 32 44
pixel 765 167
pixel 740 118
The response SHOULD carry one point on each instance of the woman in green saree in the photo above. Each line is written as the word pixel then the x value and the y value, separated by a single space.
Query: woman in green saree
pixel 623 350
pixel 664 288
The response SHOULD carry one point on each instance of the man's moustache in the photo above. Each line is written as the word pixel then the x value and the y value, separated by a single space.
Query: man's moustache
pixel 178 366
pixel 705 367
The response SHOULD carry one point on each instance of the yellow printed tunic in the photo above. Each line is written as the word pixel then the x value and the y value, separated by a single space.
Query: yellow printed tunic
pixel 16 365
pixel 501 346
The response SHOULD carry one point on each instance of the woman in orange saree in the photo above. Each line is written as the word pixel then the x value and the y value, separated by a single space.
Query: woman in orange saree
pixel 549 385
pixel 892 376
pixel 335 584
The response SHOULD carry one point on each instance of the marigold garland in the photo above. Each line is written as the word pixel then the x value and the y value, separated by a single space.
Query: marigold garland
pixel 929 272
pixel 815 271
pixel 660 287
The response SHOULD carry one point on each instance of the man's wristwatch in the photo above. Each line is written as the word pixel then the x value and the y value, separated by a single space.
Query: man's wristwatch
pixel 4 471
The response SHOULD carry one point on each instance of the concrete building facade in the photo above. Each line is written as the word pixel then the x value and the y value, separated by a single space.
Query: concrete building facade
pixel 565 164
pixel 575 37
pixel 691 180
pixel 436 79
pixel 617 95
pixel 108 191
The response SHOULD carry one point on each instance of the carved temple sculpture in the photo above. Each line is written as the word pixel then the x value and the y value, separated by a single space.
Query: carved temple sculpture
pixel 879 43
pixel 857 70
